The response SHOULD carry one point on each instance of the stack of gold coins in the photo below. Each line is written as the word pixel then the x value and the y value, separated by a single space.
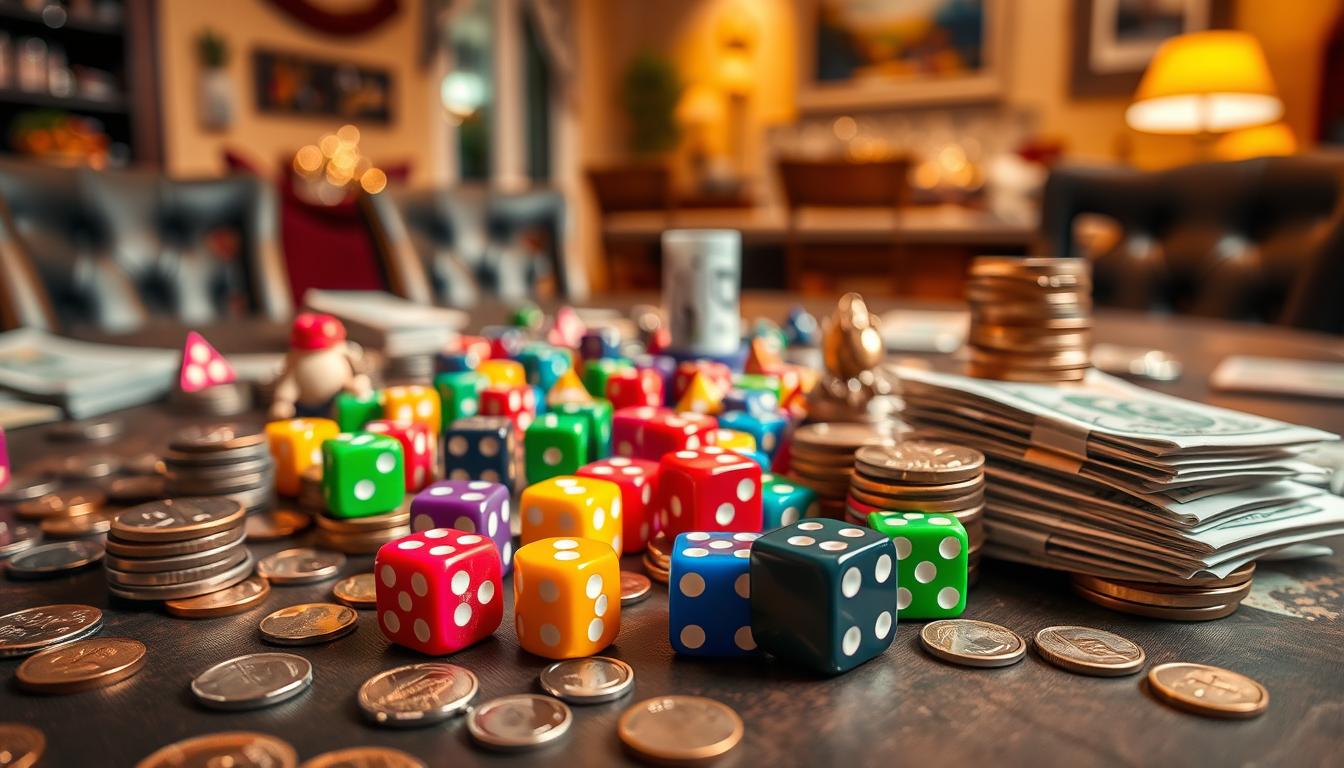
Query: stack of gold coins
pixel 821 457
pixel 362 535
pixel 1194 600
pixel 922 476
pixel 658 557
pixel 1031 319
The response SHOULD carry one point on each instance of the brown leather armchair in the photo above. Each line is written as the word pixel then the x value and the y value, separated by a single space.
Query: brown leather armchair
pixel 111 249
pixel 1256 239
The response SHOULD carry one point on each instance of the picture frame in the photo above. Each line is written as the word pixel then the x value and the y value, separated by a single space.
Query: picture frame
pixel 873 54
pixel 298 85
pixel 1113 40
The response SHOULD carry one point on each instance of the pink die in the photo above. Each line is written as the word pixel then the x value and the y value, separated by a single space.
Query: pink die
pixel 519 404
pixel 417 446
pixel 649 433
pixel 628 388
pixel 438 591
pixel 709 490
pixel 718 374
pixel 638 481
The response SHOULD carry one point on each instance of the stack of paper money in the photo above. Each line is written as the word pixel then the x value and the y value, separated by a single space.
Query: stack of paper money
pixel 1105 478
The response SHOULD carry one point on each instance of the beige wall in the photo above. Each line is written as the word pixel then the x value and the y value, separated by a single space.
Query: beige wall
pixel 249 24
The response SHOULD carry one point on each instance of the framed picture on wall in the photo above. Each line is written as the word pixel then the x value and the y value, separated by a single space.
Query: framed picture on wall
pixel 299 85
pixel 1113 40
pixel 878 53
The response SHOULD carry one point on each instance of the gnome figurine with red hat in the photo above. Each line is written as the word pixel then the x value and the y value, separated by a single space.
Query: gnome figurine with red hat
pixel 319 366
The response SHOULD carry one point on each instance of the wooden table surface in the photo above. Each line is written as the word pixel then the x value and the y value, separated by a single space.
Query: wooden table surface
pixel 904 707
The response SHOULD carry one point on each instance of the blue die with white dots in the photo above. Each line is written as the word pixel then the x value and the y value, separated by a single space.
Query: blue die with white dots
pixel 480 448
pixel 544 365
pixel 754 401
pixel 709 594
pixel 767 428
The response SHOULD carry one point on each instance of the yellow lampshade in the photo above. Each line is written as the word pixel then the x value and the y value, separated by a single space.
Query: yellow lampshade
pixel 1205 82
pixel 1273 140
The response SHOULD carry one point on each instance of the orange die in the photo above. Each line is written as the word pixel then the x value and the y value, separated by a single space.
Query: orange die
pixel 502 373
pixel 572 506
pixel 296 445
pixel 566 597
pixel 413 403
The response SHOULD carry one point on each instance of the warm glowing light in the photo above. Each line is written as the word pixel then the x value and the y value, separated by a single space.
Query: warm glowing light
pixel 348 134
pixel 308 160
pixel 1206 82
pixel 373 181
pixel 329 144
pixel 845 128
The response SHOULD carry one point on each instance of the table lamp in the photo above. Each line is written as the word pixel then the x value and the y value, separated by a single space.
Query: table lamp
pixel 1203 84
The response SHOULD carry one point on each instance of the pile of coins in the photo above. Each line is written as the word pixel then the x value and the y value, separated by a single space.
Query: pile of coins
pixel 658 557
pixel 922 476
pixel 1031 319
pixel 852 388
pixel 1199 600
pixel 351 535
pixel 222 460
pixel 822 458
pixel 228 399
pixel 177 548
pixel 67 514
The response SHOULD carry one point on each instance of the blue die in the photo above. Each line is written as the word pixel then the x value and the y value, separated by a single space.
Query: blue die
pixel 753 401
pixel 767 428
pixel 823 594
pixel 480 448
pixel 759 458
pixel 598 343
pixel 801 328
pixel 454 362
pixel 784 502
pixel 709 594
pixel 544 365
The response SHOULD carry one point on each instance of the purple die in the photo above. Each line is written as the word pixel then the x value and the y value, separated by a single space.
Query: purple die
pixel 474 506
pixel 4 460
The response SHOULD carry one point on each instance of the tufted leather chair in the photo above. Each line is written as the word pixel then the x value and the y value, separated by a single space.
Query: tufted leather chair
pixel 1258 239
pixel 109 250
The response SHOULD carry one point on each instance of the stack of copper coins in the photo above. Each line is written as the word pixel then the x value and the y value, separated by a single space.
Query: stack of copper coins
pixel 922 476
pixel 1031 319
pixel 658 557
pixel 351 535
pixel 821 456
pixel 1194 600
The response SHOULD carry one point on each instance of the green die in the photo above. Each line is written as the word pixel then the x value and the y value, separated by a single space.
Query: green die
pixel 931 552
pixel 351 412
pixel 555 444
pixel 598 414
pixel 596 372
pixel 757 382
pixel 362 474
pixel 784 502
pixel 459 394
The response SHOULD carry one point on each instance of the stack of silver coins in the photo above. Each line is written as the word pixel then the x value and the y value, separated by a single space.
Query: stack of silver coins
pixel 821 457
pixel 176 548
pixel 222 460
pixel 229 399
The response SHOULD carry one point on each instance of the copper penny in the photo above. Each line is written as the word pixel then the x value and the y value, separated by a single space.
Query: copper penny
pixel 69 503
pixel 358 591
pixel 177 519
pixel 275 524
pixel 308 624
pixel 922 461
pixel 82 665
pixel 1207 690
pixel 236 749
pixel 21 745
pixel 243 596
pixel 364 757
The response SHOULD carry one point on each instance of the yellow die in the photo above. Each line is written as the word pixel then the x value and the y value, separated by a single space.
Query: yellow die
pixel 296 445
pixel 566 597
pixel 502 373
pixel 735 440
pixel 413 403
pixel 572 506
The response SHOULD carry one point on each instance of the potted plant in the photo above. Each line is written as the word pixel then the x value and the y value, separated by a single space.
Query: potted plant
pixel 650 94
pixel 215 99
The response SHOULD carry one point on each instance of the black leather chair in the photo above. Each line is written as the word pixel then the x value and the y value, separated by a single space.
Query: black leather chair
pixel 1256 239
pixel 111 249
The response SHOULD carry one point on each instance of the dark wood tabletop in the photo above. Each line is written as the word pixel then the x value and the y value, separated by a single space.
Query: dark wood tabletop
pixel 904 707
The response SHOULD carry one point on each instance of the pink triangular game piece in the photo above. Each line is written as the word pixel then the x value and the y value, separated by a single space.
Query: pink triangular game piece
pixel 202 365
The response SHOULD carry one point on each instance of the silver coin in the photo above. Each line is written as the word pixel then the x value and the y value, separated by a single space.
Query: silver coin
pixel 588 681
pixel 253 681
pixel 51 559
pixel 300 566
pixel 177 519
pixel 972 643
pixel 23 487
pixel 519 722
pixel 190 589
pixel 31 630
pixel 173 563
pixel 138 549
pixel 1089 651
pixel 181 576
pixel 87 431
pixel 196 470
pixel 417 694
pixel 309 624
pixel 16 537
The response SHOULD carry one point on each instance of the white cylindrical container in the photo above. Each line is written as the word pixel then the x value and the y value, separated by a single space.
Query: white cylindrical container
pixel 702 280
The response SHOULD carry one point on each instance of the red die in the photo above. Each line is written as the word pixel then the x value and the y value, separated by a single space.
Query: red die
pixel 438 591
pixel 517 403
pixel 648 433
pixel 709 490
pixel 417 446
pixel 718 374
pixel 629 387
pixel 638 480
pixel 476 348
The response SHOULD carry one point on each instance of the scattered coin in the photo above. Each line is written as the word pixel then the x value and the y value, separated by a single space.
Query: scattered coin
pixel 81 665
pixel 276 524
pixel 1206 690
pixel 51 559
pixel 136 489
pixel 16 537
pixel 1089 651
pixel 519 722
pixel 243 596
pixel 972 643
pixel 588 681
pixel 253 681
pixel 83 526
pixel 21 745
pixel 308 624
pixel 680 729
pixel 22 487
pixel 358 591
pixel 300 566
pixel 634 587
pixel 144 463
pixel 236 749
pixel 418 694
pixel 89 466
pixel 67 503
pixel 177 519
pixel 32 629
pixel 364 757
pixel 86 431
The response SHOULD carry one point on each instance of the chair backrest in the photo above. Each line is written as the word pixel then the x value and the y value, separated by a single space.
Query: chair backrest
pixel 1258 239
pixel 642 187
pixel 845 184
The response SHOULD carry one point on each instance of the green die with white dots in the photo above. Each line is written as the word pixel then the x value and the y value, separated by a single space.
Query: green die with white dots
pixel 931 551
pixel 459 395
pixel 555 444
pixel 784 502
pixel 598 414
pixel 362 474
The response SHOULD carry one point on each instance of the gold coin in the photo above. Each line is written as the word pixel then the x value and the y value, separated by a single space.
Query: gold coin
pixel 1163 595
pixel 358 591
pixel 70 503
pixel 308 624
pixel 680 729
pixel 21 746
pixel 243 596
pixel 235 749
pixel 364 757
pixel 275 524
pixel 1156 612
pixel 1207 690
pixel 1089 651
pixel 82 665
